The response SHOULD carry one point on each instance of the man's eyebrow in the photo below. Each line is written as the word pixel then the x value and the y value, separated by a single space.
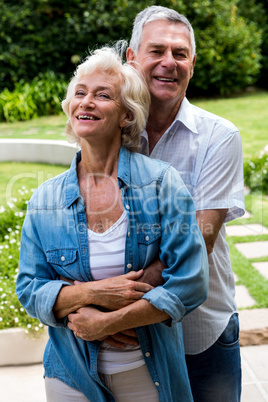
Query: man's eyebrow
pixel 162 46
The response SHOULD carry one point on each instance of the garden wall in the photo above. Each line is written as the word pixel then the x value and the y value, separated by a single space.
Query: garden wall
pixel 40 151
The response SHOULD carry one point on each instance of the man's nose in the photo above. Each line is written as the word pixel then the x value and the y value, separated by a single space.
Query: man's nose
pixel 168 61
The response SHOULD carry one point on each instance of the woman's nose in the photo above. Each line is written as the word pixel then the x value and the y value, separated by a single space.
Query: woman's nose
pixel 88 101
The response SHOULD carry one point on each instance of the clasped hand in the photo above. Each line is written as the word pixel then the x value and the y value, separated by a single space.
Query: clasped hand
pixel 111 294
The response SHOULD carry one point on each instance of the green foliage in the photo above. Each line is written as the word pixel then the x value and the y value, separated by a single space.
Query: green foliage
pixel 228 48
pixel 257 11
pixel 256 172
pixel 41 97
pixel 53 35
pixel 12 314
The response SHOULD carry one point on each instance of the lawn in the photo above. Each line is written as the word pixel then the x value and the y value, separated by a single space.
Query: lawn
pixel 47 127
pixel 15 177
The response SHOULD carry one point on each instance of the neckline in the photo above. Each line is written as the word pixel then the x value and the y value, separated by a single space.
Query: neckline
pixel 111 228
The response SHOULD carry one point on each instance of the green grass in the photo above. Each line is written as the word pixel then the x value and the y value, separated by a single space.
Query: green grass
pixel 249 113
pixel 15 176
pixel 257 285
pixel 248 276
pixel 47 127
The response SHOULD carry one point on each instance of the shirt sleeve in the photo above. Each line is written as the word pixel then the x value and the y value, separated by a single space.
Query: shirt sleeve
pixel 220 184
pixel 37 285
pixel 182 250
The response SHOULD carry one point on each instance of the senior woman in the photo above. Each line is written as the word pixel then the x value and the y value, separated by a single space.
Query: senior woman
pixel 100 224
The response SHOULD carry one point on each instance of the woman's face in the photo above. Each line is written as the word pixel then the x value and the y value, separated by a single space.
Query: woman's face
pixel 96 110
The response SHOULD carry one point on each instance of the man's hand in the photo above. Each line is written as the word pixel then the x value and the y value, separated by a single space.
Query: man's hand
pixel 153 274
pixel 121 339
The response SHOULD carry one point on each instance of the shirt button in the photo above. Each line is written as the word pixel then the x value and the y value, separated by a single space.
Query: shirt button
pixel 62 258
pixel 129 266
pixel 156 384
pixel 127 207
pixel 128 234
pixel 147 354
pixel 147 238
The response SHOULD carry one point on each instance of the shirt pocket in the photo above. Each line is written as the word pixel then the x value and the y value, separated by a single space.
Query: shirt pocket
pixel 148 237
pixel 64 261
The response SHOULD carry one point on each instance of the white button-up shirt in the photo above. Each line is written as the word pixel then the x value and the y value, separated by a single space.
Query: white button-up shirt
pixel 207 151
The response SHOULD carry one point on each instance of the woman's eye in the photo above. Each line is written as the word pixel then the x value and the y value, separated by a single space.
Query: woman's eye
pixel 79 93
pixel 102 96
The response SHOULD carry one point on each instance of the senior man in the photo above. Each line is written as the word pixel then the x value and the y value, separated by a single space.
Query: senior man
pixel 206 150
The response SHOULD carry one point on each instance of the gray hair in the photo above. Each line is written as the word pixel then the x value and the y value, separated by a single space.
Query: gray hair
pixel 155 13
pixel 134 93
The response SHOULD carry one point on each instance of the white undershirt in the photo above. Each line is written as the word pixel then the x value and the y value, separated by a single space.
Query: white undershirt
pixel 107 259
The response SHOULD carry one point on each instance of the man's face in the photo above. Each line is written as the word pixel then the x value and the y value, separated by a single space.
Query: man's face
pixel 166 61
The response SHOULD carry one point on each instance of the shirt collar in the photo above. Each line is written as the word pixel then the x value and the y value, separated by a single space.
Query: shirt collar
pixel 72 192
pixel 184 116
pixel 123 174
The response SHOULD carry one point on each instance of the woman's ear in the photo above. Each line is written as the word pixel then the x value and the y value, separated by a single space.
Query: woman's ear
pixel 128 117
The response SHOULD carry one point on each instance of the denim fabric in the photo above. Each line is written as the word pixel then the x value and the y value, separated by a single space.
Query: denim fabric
pixel 215 375
pixel 161 222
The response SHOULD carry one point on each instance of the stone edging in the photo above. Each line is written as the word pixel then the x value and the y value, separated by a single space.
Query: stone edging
pixel 58 152
pixel 17 347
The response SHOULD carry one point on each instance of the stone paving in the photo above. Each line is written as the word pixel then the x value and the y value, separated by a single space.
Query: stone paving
pixel 253 322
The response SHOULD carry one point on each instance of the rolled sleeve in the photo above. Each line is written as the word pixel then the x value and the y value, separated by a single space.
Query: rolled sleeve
pixel 182 250
pixel 220 184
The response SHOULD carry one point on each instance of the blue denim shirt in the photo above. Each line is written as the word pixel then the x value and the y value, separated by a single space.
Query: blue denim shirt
pixel 161 222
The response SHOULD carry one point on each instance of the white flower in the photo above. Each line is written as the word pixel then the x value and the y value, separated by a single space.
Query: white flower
pixel 6 237
pixel 2 209
pixel 29 326
pixel 16 319
pixel 1 319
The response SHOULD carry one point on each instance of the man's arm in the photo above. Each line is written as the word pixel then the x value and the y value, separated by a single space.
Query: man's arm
pixel 210 222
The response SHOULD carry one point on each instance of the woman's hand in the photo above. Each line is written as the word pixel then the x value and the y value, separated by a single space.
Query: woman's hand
pixel 89 323
pixel 119 291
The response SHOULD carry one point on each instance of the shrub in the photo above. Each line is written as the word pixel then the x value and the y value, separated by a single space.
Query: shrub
pixel 12 314
pixel 41 35
pixel 41 97
pixel 256 172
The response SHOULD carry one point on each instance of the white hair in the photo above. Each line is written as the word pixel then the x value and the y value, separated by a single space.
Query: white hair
pixel 155 13
pixel 134 93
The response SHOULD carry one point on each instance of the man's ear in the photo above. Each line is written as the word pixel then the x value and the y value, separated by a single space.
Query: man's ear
pixel 130 54
pixel 193 64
